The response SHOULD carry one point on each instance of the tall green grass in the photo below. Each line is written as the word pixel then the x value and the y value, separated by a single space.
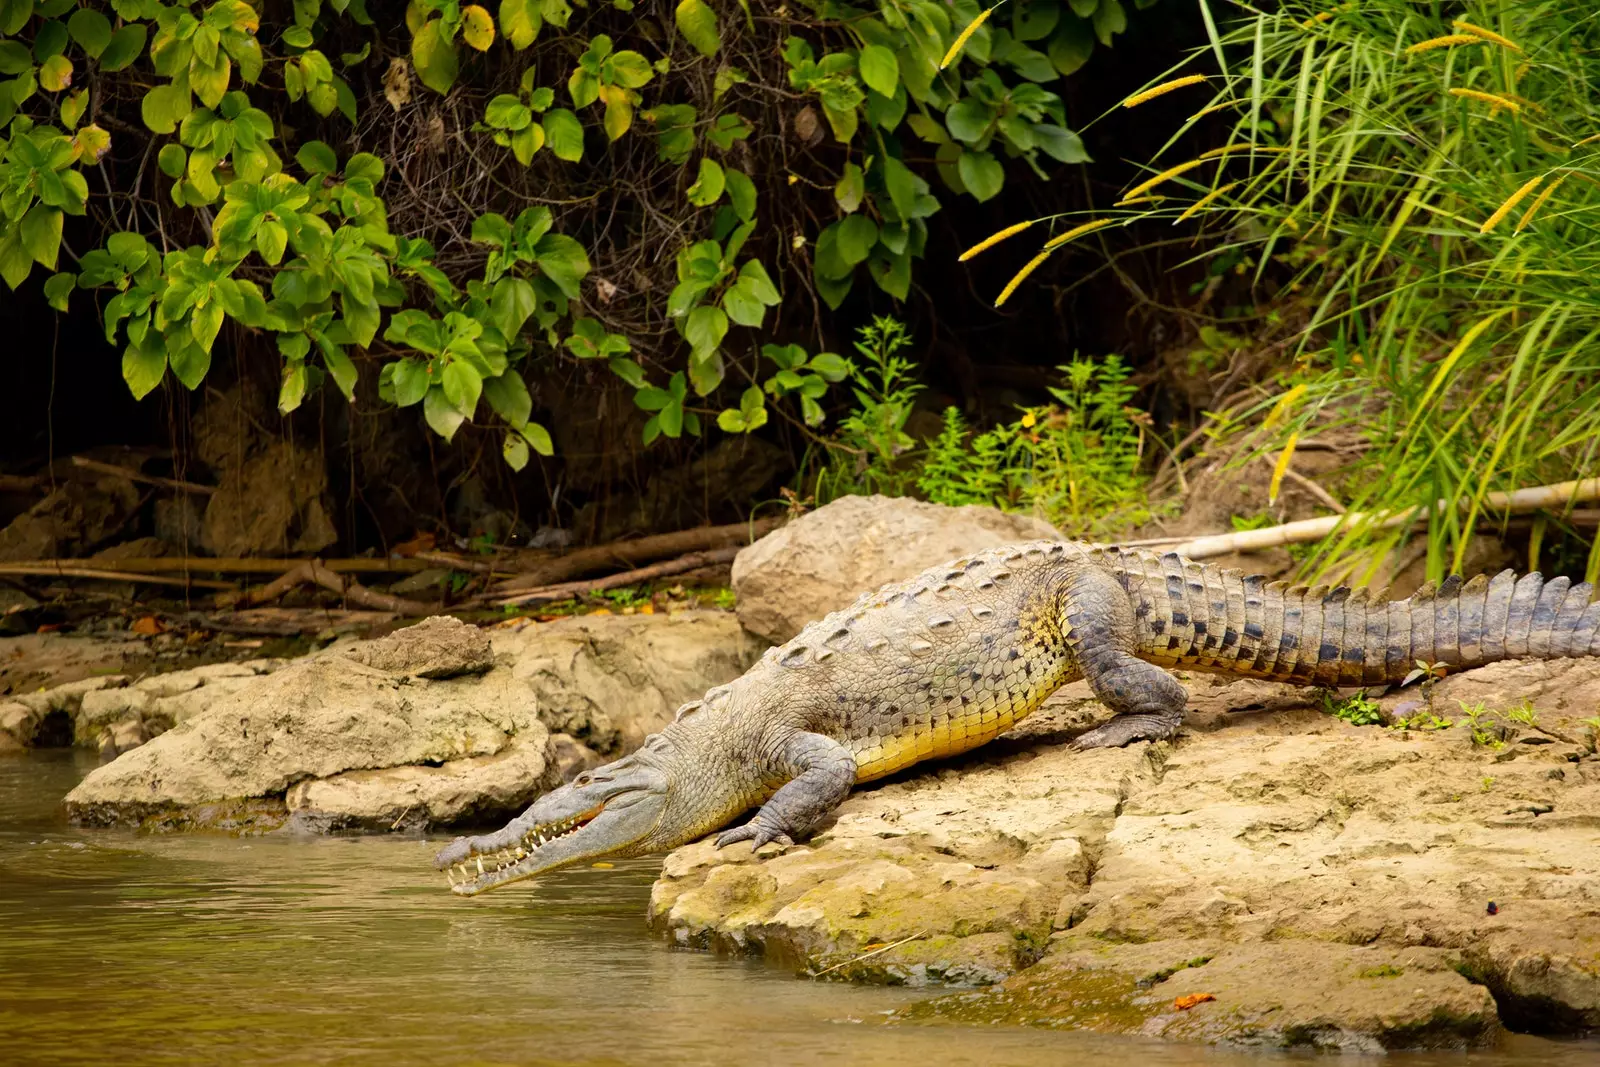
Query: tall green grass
pixel 1437 209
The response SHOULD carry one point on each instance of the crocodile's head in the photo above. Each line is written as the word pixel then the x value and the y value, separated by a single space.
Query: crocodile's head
pixel 615 810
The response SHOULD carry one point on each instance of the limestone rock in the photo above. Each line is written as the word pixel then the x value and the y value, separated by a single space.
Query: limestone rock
pixel 477 790
pixel 70 521
pixel 822 561
pixel 271 504
pixel 437 647
pixel 316 718
pixel 1292 994
pixel 609 681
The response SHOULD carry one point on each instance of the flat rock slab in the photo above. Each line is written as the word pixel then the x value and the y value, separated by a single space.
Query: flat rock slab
pixel 329 714
pixel 1305 857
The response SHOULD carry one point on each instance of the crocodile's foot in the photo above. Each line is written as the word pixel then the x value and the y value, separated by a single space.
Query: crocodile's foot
pixel 754 831
pixel 1126 729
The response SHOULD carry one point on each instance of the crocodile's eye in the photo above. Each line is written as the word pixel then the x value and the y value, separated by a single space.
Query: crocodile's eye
pixel 583 779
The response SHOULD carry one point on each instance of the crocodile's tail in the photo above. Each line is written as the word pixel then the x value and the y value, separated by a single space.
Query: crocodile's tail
pixel 1207 618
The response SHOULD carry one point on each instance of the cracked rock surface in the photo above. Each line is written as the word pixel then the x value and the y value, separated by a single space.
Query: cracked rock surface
pixel 1312 883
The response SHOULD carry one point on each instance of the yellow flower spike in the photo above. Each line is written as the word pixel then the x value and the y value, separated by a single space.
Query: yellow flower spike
pixel 1028 420
pixel 1463 26
pixel 1447 41
pixel 1281 408
pixel 994 239
pixel 1206 201
pixel 1240 146
pixel 1511 202
pixel 1587 140
pixel 1170 172
pixel 1163 89
pixel 1281 468
pixel 1021 276
pixel 965 36
pixel 1538 202
pixel 1493 99
pixel 1076 231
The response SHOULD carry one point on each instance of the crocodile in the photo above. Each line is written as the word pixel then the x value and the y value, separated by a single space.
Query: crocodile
pixel 952 658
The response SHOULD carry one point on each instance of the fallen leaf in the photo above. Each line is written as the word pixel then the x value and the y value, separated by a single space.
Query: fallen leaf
pixel 647 609
pixel 147 625
pixel 603 865
pixel 397 83
pixel 423 542
pixel 1186 1002
pixel 606 289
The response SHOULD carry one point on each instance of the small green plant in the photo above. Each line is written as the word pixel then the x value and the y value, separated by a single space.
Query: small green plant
pixel 1076 461
pixel 1422 720
pixel 1358 710
pixel 1487 784
pixel 1524 715
pixel 627 596
pixel 1386 970
pixel 1483 723
pixel 724 599
pixel 872 440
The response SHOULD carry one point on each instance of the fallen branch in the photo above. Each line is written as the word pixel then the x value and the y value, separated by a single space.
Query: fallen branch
pixel 286 622
pixel 639 550
pixel 135 476
pixel 312 572
pixel 1534 498
pixel 61 569
pixel 569 590
pixel 21 483
pixel 239 565
pixel 868 955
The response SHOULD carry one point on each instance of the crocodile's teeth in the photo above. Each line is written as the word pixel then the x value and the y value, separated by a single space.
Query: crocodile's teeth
pixel 480 864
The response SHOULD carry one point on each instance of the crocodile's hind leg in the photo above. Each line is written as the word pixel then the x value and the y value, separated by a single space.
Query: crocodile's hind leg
pixel 824 770
pixel 1097 626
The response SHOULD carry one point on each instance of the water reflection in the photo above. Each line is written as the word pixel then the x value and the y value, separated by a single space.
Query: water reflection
pixel 300 950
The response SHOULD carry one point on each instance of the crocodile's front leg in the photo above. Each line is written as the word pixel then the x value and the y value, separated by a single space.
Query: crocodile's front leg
pixel 1098 626
pixel 824 770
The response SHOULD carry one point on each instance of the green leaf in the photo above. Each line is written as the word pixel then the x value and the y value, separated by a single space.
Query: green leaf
pixel 507 112
pixel 435 61
pixel 583 87
pixel 49 40
pixel 564 134
pixel 513 304
pixel 852 189
pixel 315 157
pixel 41 234
pixel 172 160
pixel 508 396
pixel 91 30
pixel 563 261
pixel 539 437
pixel 492 229
pixel 143 367
pixel 742 307
pixel 411 381
pixel 441 414
pixel 741 193
pixel 58 287
pixel 297 37
pixel 526 142
pixel 15 57
pixel 293 390
pixel 340 369
pixel 857 234
pixel 189 363
pixel 902 186
pixel 630 70
pixel 1060 144
pixel 55 74
pixel 628 371
pixel 758 283
pixel 698 24
pixel 892 273
pixel 164 107
pixel 708 186
pixel 830 365
pixel 520 22
pixel 982 174
pixel 705 328
pixel 271 240
pixel 514 450
pixel 880 69
pixel 1109 20
pixel 833 290
pixel 462 385
pixel 842 122
pixel 127 45
pixel 969 119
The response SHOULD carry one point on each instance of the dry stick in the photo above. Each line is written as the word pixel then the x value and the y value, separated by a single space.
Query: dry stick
pixel 312 572
pixel 148 479
pixel 639 550
pixel 1534 498
pixel 21 483
pixel 265 565
pixel 1328 500
pixel 869 955
pixel 56 569
pixel 690 562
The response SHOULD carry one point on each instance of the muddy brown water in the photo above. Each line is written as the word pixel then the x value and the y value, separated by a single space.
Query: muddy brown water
pixel 196 949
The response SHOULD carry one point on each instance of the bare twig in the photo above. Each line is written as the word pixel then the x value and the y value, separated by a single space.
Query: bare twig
pixel 148 479
pixel 868 955
pixel 235 565
pixel 64 569
pixel 640 550
pixel 312 572
pixel 692 561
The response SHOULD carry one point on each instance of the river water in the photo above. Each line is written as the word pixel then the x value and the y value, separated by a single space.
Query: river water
pixel 196 949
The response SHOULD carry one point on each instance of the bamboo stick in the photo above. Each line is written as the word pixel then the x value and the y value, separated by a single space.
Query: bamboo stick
pixel 1533 498
pixel 692 561
pixel 639 550
pixel 68 569
pixel 148 479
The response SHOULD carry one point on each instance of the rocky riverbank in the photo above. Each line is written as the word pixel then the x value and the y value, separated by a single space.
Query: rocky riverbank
pixel 1273 876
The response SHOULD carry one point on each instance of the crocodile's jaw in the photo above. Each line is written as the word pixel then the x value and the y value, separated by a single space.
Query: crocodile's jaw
pixel 610 811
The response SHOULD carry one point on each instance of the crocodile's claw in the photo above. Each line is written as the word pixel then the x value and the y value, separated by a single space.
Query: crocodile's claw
pixel 754 831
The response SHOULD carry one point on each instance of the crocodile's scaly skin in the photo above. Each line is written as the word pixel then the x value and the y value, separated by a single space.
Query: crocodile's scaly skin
pixel 950 659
